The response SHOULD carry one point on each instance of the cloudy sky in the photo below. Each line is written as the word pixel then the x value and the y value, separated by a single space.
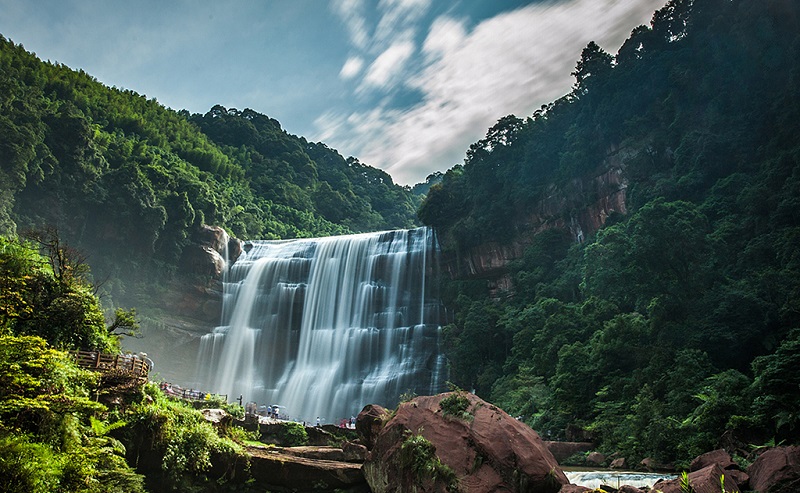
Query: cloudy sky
pixel 404 85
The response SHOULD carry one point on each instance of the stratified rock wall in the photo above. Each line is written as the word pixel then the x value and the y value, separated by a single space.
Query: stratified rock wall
pixel 580 208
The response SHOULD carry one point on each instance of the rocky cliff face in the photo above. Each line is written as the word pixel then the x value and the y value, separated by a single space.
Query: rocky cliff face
pixel 191 306
pixel 581 208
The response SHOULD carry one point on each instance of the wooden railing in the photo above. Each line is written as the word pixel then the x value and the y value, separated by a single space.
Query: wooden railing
pixel 103 362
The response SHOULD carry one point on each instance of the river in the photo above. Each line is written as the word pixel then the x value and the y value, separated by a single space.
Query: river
pixel 592 478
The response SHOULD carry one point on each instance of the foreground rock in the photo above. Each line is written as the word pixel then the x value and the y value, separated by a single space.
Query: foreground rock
pixel 723 459
pixel 286 471
pixel 456 440
pixel 776 471
pixel 706 480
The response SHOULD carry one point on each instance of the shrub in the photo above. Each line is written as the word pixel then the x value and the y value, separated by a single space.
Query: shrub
pixel 456 405
pixel 418 454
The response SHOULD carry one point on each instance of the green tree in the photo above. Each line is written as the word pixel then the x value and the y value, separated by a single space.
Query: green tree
pixel 592 69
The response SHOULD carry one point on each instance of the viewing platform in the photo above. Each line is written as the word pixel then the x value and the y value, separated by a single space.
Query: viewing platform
pixel 128 364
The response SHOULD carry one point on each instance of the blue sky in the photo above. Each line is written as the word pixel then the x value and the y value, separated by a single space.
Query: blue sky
pixel 404 85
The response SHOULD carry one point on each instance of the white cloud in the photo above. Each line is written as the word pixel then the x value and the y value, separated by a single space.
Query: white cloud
pixel 512 63
pixel 351 67
pixel 388 65
pixel 352 14
pixel 398 16
pixel 445 36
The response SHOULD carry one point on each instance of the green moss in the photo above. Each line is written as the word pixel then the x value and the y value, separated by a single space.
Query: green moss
pixel 456 405
pixel 419 455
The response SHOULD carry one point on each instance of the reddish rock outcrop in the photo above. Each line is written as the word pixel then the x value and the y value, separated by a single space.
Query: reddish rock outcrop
pixel 369 423
pixel 706 480
pixel 629 489
pixel 719 457
pixel 723 459
pixel 776 471
pixel 206 256
pixel 487 451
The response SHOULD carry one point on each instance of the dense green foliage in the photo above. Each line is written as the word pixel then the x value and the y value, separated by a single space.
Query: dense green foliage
pixel 127 180
pixel 672 330
pixel 176 448
pixel 54 434
pixel 52 438
pixel 307 176
pixel 50 298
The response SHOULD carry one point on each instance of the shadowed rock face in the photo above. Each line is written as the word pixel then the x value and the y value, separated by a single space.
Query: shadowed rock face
pixel 277 470
pixel 485 448
pixel 370 421
pixel 776 470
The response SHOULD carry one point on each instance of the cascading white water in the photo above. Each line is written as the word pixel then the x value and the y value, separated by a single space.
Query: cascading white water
pixel 324 326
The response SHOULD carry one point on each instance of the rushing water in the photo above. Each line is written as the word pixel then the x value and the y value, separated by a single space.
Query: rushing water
pixel 596 479
pixel 324 326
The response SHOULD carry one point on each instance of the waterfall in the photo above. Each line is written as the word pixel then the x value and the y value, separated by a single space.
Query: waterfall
pixel 322 327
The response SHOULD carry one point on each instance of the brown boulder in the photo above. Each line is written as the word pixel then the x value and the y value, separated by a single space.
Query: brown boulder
pixel 706 480
pixel 653 465
pixel 740 477
pixel 354 452
pixel 618 463
pixel 595 459
pixel 273 470
pixel 319 436
pixel 369 423
pixel 719 457
pixel 217 417
pixel 476 445
pixel 776 470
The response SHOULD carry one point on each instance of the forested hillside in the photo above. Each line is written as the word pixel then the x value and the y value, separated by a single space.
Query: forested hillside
pixel 674 329
pixel 126 180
